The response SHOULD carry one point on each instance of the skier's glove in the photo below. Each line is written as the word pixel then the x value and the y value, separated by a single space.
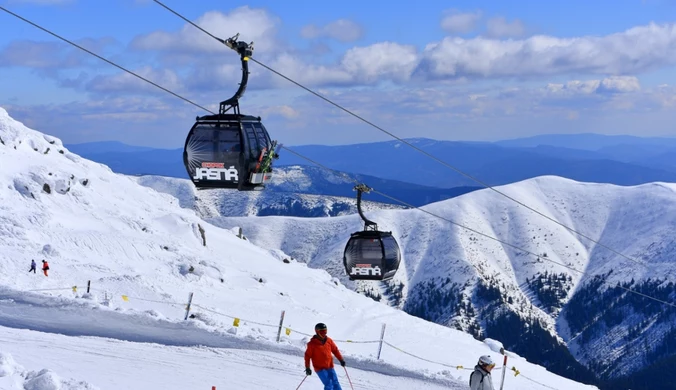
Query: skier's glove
pixel 308 371
pixel 342 363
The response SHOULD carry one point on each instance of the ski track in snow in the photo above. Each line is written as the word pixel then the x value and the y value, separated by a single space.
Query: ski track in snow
pixel 152 366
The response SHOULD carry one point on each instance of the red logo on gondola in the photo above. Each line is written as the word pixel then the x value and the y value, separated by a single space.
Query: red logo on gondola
pixel 213 165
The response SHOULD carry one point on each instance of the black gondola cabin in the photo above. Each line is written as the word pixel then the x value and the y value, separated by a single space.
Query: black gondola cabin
pixel 224 151
pixel 370 254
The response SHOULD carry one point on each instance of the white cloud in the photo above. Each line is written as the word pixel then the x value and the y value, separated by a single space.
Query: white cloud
pixel 621 84
pixel 342 30
pixel 125 82
pixel 471 112
pixel 255 25
pixel 630 52
pixel 500 27
pixel 458 22
pixel 284 111
pixel 636 50
pixel 223 77
pixel 359 65
pixel 471 102
pixel 43 55
pixel 130 118
pixel 459 112
pixel 300 71
pixel 202 65
pixel 385 60
pixel 614 84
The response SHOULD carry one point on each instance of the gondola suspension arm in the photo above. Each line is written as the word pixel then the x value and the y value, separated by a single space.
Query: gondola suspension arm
pixel 245 50
pixel 368 224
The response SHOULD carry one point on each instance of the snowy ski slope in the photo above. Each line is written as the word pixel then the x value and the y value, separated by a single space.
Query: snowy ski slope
pixel 129 240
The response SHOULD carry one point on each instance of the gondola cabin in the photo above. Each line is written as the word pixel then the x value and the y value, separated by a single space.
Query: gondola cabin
pixel 227 151
pixel 370 254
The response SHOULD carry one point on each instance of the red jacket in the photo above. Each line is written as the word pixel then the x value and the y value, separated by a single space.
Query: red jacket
pixel 320 352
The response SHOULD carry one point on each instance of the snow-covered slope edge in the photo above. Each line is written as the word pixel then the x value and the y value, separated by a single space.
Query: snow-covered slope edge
pixel 15 376
pixel 91 224
pixel 518 298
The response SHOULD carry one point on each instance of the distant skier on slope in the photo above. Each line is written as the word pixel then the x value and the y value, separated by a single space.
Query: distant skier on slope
pixel 33 266
pixel 45 267
pixel 319 350
pixel 481 379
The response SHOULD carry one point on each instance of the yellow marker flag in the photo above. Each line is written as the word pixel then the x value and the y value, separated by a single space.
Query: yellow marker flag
pixel 74 288
pixel 235 322
pixel 125 298
pixel 288 331
pixel 516 372
pixel 460 367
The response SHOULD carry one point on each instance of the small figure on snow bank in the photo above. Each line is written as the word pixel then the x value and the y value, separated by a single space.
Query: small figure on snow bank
pixel 481 379
pixel 319 350
pixel 33 266
pixel 45 267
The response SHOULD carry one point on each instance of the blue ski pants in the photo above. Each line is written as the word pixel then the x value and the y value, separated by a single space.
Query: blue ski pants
pixel 329 379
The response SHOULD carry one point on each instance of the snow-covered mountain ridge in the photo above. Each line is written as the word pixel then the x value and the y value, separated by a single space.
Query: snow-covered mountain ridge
pixel 219 202
pixel 127 239
pixel 515 297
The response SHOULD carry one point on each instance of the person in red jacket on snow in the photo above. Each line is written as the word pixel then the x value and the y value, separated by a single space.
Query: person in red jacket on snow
pixel 319 350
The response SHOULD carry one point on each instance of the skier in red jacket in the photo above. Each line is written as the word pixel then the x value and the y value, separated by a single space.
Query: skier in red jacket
pixel 320 350
pixel 45 267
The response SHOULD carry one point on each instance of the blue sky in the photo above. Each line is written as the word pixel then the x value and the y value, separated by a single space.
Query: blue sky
pixel 461 70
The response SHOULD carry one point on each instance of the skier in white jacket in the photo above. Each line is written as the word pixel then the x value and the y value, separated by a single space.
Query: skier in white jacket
pixel 481 379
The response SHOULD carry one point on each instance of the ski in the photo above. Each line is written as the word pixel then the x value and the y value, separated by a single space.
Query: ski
pixel 260 159
pixel 267 161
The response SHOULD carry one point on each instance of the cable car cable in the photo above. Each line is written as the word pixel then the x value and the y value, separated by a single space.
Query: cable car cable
pixel 415 147
pixel 322 166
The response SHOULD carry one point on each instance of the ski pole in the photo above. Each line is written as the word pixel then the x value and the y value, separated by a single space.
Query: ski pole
pixel 348 378
pixel 504 368
pixel 301 383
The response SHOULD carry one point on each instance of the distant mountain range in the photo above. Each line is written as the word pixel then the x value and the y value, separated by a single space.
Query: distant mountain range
pixel 139 161
pixel 495 164
pixel 586 327
pixel 587 141
pixel 399 170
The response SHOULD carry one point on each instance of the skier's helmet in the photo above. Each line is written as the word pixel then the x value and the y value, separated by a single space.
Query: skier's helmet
pixel 320 326
pixel 486 360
